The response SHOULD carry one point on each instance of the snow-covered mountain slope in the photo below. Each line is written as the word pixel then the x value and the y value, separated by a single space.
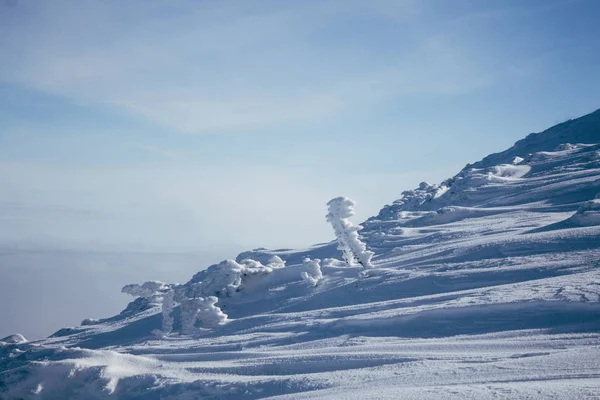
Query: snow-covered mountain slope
pixel 484 286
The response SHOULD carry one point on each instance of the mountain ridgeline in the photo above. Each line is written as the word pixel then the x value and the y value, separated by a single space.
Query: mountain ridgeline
pixel 486 285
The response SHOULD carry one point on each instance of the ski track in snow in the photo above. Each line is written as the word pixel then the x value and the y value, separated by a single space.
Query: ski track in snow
pixel 484 287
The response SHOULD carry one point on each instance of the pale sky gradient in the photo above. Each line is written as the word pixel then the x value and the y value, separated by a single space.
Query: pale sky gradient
pixel 209 127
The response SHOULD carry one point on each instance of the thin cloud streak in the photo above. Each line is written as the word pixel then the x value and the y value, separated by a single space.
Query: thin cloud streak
pixel 216 68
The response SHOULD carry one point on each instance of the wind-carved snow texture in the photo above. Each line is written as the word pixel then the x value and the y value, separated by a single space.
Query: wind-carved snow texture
pixel 485 286
pixel 340 209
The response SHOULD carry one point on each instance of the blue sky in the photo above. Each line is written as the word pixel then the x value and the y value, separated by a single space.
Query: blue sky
pixel 201 124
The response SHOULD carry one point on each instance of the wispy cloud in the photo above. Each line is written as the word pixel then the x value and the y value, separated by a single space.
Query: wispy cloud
pixel 161 151
pixel 211 66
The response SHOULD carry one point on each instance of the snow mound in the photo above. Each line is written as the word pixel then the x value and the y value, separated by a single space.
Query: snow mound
pixel 16 338
pixel 509 171
pixel 588 213
pixel 580 130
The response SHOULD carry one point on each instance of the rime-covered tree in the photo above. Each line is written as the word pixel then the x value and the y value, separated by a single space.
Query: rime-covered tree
pixel 151 290
pixel 313 272
pixel 197 300
pixel 202 309
pixel 353 250
pixel 167 309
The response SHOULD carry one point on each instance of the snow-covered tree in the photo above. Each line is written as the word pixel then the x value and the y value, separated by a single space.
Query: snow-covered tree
pixel 197 299
pixel 151 290
pixel 188 314
pixel 167 309
pixel 153 293
pixel 353 250
pixel 313 272
pixel 209 315
pixel 202 309
pixel 225 278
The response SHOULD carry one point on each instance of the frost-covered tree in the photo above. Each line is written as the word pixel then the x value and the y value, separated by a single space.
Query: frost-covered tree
pixel 167 310
pixel 197 299
pixel 209 315
pixel 313 272
pixel 151 290
pixel 154 293
pixel 353 250
pixel 188 314
pixel 202 309
pixel 227 277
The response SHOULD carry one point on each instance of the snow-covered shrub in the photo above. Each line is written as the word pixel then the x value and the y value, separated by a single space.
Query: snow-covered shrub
pixel 151 290
pixel 313 272
pixel 353 250
pixel 209 314
pixel 202 309
pixel 276 262
pixel 566 147
pixel 197 299
pixel 226 278
pixel 412 200
pixel 149 295
pixel 153 293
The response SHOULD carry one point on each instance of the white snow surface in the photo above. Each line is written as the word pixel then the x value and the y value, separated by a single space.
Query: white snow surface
pixel 486 286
